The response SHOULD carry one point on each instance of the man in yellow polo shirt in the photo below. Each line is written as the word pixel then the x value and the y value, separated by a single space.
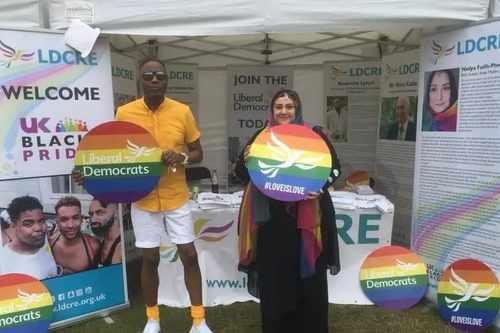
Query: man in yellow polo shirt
pixel 173 126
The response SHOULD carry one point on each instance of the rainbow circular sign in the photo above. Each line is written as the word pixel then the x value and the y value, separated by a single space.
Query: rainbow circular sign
pixel 286 162
pixel 393 277
pixel 469 295
pixel 121 162
pixel 25 304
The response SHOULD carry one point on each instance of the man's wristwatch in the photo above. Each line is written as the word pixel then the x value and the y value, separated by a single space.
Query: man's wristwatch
pixel 186 158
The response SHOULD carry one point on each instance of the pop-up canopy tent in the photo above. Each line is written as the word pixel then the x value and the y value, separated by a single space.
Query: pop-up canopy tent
pixel 252 31
pixel 217 33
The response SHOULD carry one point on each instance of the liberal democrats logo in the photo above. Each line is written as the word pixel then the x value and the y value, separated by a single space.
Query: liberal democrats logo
pixel 336 72
pixel 202 232
pixel 286 158
pixel 25 304
pixel 440 51
pixel 389 71
pixel 11 55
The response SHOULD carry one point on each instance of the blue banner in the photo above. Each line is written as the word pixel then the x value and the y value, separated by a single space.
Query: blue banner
pixel 86 292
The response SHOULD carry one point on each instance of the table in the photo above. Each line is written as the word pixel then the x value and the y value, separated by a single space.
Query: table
pixel 360 232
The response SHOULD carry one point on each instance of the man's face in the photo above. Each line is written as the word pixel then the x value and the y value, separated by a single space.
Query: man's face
pixel 402 111
pixel 153 79
pixel 31 228
pixel 337 104
pixel 69 220
pixel 99 216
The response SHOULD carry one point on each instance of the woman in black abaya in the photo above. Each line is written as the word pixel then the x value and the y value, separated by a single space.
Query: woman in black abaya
pixel 293 291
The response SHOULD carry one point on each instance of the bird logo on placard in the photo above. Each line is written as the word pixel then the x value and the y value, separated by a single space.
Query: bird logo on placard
pixel 336 72
pixel 137 151
pixel 440 51
pixel 286 158
pixel 466 291
pixel 27 299
pixel 406 267
pixel 389 71
pixel 11 55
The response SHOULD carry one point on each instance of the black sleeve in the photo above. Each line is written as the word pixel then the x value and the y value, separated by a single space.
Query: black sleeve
pixel 240 170
pixel 336 169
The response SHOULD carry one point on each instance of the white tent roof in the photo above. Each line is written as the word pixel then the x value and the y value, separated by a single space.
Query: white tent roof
pixel 220 32
pixel 238 17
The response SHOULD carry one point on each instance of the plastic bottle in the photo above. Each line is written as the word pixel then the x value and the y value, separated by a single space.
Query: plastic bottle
pixel 215 182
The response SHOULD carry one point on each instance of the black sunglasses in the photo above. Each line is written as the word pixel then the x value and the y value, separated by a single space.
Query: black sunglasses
pixel 160 76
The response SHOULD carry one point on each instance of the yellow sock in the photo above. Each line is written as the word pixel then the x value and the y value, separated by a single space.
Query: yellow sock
pixel 198 314
pixel 153 312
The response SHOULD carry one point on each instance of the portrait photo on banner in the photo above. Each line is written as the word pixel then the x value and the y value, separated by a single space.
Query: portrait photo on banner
pixel 337 118
pixel 440 104
pixel 68 241
pixel 398 118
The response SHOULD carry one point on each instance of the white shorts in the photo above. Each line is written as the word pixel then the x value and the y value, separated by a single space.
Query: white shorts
pixel 149 227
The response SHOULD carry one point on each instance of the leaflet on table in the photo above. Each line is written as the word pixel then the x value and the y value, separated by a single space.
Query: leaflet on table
pixel 341 199
pixel 457 197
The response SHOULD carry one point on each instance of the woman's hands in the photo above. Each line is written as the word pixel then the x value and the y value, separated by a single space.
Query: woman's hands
pixel 246 153
pixel 314 195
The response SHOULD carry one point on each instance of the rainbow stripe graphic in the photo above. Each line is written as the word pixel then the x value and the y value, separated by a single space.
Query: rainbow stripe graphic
pixel 288 161
pixel 469 295
pixel 203 232
pixel 431 231
pixel 393 277
pixel 31 73
pixel 25 304
pixel 121 162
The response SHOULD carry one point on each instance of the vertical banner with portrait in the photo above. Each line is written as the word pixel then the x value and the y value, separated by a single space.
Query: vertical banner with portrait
pixel 72 246
pixel 183 84
pixel 125 71
pixel 249 93
pixel 457 197
pixel 396 140
pixel 352 92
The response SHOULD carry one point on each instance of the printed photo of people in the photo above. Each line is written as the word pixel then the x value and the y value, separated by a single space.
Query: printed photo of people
pixel 337 118
pixel 440 103
pixel 35 245
pixel 398 118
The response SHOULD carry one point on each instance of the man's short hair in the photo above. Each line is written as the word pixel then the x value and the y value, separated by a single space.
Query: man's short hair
pixel 145 61
pixel 68 201
pixel 22 204
pixel 102 203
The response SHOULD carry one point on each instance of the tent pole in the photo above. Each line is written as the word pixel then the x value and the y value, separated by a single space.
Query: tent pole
pixel 267 51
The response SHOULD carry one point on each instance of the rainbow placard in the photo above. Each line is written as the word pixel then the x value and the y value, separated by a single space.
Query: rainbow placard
pixel 121 162
pixel 469 295
pixel 25 304
pixel 393 277
pixel 286 162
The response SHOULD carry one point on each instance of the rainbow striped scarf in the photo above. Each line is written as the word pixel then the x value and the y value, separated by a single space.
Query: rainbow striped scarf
pixel 254 212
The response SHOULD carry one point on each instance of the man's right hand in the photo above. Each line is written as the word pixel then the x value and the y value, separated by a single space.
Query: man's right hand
pixel 77 176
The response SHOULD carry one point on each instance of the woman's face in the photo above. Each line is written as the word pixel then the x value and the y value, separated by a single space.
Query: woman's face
pixel 439 95
pixel 284 111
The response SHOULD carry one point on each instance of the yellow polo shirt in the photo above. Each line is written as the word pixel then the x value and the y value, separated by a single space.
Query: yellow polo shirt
pixel 173 126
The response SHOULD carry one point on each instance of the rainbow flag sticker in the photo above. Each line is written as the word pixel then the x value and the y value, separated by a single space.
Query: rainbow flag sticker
pixel 469 295
pixel 25 304
pixel 286 162
pixel 393 277
pixel 121 162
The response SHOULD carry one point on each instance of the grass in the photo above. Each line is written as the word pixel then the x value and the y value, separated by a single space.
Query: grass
pixel 245 318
